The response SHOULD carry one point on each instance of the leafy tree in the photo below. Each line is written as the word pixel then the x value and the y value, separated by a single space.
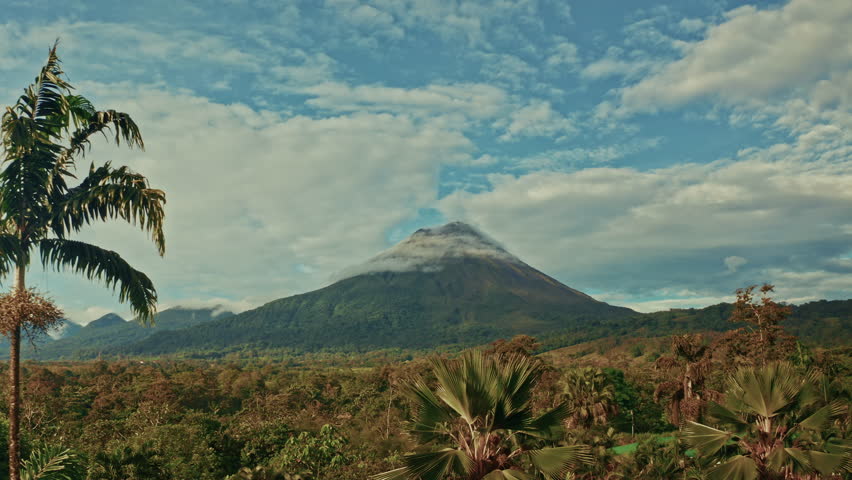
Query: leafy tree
pixel 690 364
pixel 524 345
pixel 481 408
pixel 263 473
pixel 314 454
pixel 43 134
pixel 590 397
pixel 777 425
pixel 764 340
pixel 128 463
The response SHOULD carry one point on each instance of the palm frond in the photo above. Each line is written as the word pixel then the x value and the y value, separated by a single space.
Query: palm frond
pixel 431 416
pixel 820 419
pixel 707 440
pixel 557 462
pixel 97 263
pixel 430 466
pixel 508 474
pixel 765 390
pixel 737 468
pixel 10 253
pixel 108 193
pixel 92 122
pixel 52 463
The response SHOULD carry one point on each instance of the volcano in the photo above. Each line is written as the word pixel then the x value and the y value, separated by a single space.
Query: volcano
pixel 449 285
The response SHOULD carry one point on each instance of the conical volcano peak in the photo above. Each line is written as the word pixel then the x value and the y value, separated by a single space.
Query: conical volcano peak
pixel 428 249
pixel 450 229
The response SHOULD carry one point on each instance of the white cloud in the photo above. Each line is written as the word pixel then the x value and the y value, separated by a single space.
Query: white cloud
pixel 617 63
pixel 537 119
pixel 691 25
pixel 647 306
pixel 86 315
pixel 252 195
pixel 563 54
pixel 646 230
pixel 467 20
pixel 752 54
pixel 506 69
pixel 734 262
pixel 474 100
pixel 107 45
pixel 574 157
pixel 428 249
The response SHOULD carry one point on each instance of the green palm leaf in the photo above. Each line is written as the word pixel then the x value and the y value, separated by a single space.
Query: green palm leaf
pixel 766 390
pixel 707 440
pixel 430 466
pixel 559 461
pixel 820 419
pixel 96 263
pixel 108 193
pixel 828 463
pixel 737 468
pixel 509 474
pixel 52 463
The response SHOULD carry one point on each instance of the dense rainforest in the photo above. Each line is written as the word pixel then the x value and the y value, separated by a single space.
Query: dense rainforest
pixel 318 418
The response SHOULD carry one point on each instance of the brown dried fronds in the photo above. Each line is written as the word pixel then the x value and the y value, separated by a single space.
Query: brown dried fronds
pixel 27 309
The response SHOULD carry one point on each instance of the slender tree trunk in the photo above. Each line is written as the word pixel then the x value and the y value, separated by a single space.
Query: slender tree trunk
pixel 15 390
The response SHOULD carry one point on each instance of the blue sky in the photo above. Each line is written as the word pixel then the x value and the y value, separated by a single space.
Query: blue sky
pixel 652 154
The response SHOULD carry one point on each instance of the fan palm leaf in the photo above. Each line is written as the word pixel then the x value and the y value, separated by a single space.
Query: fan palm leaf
pixel 778 424
pixel 481 407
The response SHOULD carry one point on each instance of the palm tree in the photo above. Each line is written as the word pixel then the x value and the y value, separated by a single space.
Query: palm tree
pixel 690 363
pixel 779 426
pixel 43 134
pixel 480 412
pixel 590 397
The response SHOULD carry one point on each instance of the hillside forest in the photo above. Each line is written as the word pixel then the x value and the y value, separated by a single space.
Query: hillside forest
pixel 662 407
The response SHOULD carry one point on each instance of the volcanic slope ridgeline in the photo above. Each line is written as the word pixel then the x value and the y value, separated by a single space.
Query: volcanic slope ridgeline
pixel 111 334
pixel 441 286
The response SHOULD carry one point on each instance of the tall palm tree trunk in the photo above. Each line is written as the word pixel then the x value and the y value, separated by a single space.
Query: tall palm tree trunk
pixel 15 389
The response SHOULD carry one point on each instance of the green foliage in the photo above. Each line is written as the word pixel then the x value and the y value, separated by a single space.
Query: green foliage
pixel 128 463
pixel 53 463
pixel 314 453
pixel 589 396
pixel 263 473
pixel 779 422
pixel 210 419
pixel 481 408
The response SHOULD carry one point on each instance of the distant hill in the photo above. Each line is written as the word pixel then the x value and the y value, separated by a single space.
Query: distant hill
pixel 447 285
pixel 65 330
pixel 107 321
pixel 825 323
pixel 110 332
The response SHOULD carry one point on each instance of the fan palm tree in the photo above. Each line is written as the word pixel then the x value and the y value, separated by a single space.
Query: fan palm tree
pixel 779 424
pixel 43 134
pixel 590 397
pixel 480 411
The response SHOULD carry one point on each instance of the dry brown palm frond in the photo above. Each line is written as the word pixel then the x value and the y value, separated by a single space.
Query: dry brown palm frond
pixel 29 310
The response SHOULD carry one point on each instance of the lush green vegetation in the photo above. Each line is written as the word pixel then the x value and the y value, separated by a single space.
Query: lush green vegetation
pixel 823 323
pixel 265 417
